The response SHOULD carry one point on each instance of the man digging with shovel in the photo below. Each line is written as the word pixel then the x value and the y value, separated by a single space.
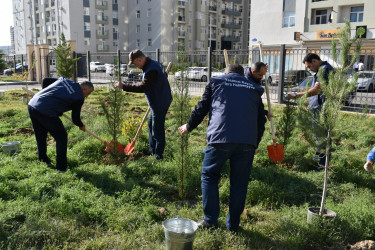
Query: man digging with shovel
pixel 44 110
pixel 158 93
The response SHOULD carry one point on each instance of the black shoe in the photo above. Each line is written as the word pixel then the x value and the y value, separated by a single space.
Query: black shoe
pixel 205 225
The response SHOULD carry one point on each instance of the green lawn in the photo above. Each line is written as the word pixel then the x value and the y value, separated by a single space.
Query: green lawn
pixel 102 203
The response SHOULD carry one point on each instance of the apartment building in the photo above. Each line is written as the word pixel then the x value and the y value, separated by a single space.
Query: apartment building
pixel 308 23
pixel 108 25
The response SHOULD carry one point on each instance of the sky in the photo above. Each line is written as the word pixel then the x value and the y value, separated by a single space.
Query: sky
pixel 6 15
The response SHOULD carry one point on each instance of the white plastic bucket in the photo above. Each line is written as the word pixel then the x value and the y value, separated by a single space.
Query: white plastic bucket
pixel 179 233
pixel 313 213
pixel 11 147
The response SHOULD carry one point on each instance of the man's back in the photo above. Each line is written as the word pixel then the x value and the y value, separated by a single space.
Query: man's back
pixel 235 110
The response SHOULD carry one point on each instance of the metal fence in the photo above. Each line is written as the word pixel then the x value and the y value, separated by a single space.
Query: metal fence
pixel 285 68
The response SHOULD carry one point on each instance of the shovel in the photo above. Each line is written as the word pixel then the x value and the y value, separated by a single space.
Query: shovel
pixel 275 151
pixel 130 147
pixel 119 147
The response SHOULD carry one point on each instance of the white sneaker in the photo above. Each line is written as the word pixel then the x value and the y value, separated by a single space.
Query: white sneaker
pixel 369 169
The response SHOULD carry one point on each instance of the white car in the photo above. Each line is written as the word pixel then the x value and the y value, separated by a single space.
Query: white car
pixel 366 81
pixel 201 73
pixel 183 72
pixel 111 69
pixel 97 66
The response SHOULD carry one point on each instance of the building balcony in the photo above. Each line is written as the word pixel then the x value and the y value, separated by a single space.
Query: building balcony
pixel 233 1
pixel 181 4
pixel 231 25
pixel 181 33
pixel 102 34
pixel 230 38
pixel 181 18
pixel 101 5
pixel 102 48
pixel 232 12
pixel 212 8
pixel 101 19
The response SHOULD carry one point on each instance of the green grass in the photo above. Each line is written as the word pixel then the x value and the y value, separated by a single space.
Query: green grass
pixel 105 204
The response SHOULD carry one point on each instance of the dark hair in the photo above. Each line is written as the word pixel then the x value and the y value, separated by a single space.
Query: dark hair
pixel 310 56
pixel 257 66
pixel 87 84
pixel 360 60
pixel 134 54
pixel 234 68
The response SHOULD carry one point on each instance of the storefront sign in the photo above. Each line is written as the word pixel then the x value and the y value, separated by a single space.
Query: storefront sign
pixel 327 34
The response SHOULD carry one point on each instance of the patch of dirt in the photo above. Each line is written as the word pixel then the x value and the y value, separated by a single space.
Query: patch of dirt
pixel 23 131
pixel 135 155
pixel 18 95
pixel 366 244
pixel 129 94
pixel 137 110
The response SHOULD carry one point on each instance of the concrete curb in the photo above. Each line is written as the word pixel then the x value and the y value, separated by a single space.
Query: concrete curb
pixel 19 82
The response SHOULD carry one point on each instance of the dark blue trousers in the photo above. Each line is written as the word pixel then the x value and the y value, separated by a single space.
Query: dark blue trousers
pixel 43 124
pixel 156 132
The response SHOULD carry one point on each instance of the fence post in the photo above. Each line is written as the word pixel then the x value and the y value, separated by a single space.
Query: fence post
pixel 75 68
pixel 22 64
pixel 88 66
pixel 14 63
pixel 157 57
pixel 209 63
pixel 281 74
pixel 119 65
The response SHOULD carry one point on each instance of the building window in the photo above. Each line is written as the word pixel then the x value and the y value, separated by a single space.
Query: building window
pixel 87 41
pixel 114 1
pixel 138 43
pixel 318 0
pixel 149 27
pixel 115 14
pixel 115 43
pixel 149 1
pixel 320 17
pixel 86 26
pixel 138 14
pixel 138 28
pixel 289 19
pixel 149 12
pixel 149 42
pixel 137 1
pixel 356 14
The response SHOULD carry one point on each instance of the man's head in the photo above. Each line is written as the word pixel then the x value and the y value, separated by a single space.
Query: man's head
pixel 87 88
pixel 312 61
pixel 137 58
pixel 258 70
pixel 234 68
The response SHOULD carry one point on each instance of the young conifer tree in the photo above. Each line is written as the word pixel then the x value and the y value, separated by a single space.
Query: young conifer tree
pixel 336 90
pixel 65 63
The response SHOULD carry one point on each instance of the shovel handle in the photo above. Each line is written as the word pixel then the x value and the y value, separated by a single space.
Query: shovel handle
pixel 268 98
pixel 70 119
pixel 226 58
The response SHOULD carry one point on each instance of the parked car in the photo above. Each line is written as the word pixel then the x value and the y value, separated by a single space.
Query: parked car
pixel 19 70
pixel 366 81
pixel 111 69
pixel 183 72
pixel 307 81
pixel 200 74
pixel 293 77
pixel 97 66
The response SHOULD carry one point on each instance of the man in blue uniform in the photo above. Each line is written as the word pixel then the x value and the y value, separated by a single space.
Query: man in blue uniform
pixel 158 93
pixel 316 99
pixel 236 126
pixel 44 110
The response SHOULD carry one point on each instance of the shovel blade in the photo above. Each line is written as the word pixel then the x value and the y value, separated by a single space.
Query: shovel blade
pixel 276 152
pixel 129 148
pixel 111 146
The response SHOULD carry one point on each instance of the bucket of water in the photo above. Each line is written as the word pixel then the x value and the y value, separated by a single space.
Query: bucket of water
pixel 10 148
pixel 179 233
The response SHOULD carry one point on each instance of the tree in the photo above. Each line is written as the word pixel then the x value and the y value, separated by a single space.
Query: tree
pixel 65 63
pixel 2 61
pixel 336 90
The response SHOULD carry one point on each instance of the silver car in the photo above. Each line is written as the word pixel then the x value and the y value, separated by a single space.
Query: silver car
pixel 366 81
